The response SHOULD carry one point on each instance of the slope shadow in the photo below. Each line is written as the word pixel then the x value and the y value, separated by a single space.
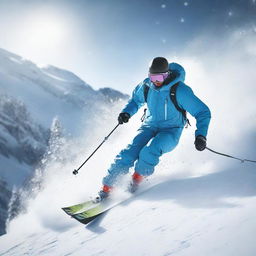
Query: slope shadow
pixel 207 191
pixel 95 227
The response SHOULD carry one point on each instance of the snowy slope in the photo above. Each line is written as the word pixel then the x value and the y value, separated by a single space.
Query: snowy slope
pixel 199 204
pixel 210 215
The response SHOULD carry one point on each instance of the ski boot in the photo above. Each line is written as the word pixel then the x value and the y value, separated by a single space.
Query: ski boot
pixel 103 194
pixel 135 182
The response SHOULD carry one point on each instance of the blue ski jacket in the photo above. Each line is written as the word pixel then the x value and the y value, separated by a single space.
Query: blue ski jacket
pixel 161 112
pixel 162 127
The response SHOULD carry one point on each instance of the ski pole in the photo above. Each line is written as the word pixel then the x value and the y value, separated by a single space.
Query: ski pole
pixel 240 159
pixel 106 138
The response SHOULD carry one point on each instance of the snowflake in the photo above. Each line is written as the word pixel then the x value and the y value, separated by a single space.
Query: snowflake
pixel 163 41
pixel 182 20
pixel 254 1
pixel 186 3
pixel 230 13
pixel 163 6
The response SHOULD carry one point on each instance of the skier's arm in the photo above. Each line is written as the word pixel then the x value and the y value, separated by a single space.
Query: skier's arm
pixel 136 101
pixel 191 103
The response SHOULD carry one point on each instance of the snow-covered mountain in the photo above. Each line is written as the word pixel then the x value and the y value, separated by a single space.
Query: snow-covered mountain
pixel 49 91
pixel 21 138
pixel 5 196
pixel 30 99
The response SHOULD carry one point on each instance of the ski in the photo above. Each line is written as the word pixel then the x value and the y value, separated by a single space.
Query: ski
pixel 88 215
pixel 73 209
pixel 88 211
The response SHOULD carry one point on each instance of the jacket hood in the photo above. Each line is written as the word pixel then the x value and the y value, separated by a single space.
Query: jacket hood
pixel 177 75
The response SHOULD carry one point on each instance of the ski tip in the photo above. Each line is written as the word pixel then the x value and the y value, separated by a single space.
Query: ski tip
pixel 67 210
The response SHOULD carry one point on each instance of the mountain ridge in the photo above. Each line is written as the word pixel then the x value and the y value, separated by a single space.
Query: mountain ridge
pixel 31 98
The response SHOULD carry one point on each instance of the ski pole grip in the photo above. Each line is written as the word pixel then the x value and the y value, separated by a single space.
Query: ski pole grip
pixel 75 172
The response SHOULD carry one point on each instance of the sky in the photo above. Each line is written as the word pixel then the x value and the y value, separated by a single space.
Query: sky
pixel 109 43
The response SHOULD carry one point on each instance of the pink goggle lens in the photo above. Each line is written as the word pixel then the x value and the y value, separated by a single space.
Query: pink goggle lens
pixel 158 77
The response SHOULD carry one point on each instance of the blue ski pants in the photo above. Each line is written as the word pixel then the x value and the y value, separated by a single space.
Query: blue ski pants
pixel 146 148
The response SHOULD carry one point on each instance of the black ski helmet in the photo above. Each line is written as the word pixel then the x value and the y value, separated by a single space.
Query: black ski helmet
pixel 159 65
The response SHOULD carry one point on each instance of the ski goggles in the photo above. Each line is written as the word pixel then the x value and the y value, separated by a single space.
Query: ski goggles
pixel 159 77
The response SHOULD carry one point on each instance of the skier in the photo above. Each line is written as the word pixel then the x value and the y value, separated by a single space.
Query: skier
pixel 163 124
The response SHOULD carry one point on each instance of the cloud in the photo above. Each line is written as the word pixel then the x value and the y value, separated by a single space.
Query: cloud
pixel 222 72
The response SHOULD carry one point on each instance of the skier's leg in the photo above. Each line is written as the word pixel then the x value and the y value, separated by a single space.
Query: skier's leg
pixel 165 141
pixel 126 158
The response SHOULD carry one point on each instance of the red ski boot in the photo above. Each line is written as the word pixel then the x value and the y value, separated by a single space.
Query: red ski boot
pixel 136 180
pixel 103 194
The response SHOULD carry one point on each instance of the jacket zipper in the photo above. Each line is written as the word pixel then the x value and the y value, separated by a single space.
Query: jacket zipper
pixel 165 109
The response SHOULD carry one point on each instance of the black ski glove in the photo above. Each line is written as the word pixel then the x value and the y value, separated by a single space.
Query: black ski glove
pixel 123 118
pixel 200 142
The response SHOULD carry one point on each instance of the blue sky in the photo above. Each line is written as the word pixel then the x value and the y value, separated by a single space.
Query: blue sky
pixel 111 42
